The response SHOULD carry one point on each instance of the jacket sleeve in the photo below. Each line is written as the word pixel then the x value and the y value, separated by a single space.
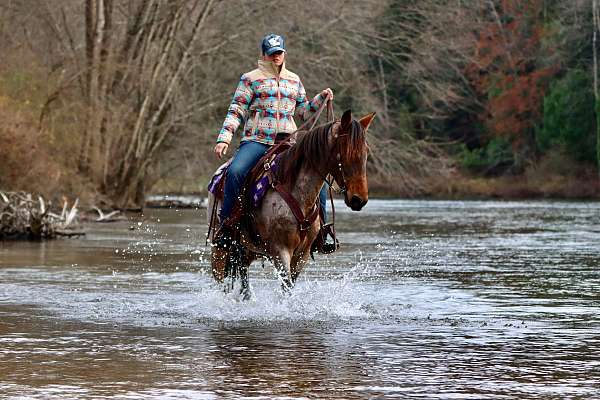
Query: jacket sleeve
pixel 238 109
pixel 304 107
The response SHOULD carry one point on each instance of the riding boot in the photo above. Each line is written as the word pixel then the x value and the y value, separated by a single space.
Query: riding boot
pixel 321 243
pixel 328 247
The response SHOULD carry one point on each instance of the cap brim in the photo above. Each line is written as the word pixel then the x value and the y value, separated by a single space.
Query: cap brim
pixel 274 50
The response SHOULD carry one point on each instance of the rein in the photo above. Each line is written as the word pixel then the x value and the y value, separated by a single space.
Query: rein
pixel 330 180
pixel 304 222
pixel 315 117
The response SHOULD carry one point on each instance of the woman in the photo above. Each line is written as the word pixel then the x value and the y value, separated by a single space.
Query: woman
pixel 267 98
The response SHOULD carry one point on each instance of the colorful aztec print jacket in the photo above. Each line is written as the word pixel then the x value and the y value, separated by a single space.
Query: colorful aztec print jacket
pixel 267 101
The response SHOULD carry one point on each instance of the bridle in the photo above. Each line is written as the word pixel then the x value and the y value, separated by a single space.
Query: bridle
pixel 304 222
pixel 330 178
pixel 330 118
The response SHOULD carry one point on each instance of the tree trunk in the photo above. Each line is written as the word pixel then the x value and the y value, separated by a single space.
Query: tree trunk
pixel 148 133
pixel 595 27
pixel 90 18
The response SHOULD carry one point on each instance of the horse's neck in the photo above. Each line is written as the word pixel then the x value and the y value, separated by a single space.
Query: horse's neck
pixel 307 187
pixel 309 180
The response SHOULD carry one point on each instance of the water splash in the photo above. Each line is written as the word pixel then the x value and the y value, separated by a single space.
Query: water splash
pixel 185 298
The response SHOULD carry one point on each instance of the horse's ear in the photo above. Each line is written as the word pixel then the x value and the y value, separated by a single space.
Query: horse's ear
pixel 346 120
pixel 366 121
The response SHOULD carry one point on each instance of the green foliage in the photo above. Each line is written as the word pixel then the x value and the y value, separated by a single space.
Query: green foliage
pixel 492 159
pixel 569 117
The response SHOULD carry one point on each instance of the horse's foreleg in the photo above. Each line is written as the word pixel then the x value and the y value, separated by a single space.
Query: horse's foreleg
pixel 245 266
pixel 218 258
pixel 296 267
pixel 282 261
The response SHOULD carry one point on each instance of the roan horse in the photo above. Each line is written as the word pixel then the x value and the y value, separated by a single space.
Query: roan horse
pixel 338 149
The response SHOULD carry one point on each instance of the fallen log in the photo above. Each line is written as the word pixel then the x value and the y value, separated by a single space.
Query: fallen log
pixel 111 216
pixel 24 217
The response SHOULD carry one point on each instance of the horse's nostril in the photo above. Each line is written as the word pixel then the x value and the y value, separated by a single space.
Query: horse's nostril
pixel 356 202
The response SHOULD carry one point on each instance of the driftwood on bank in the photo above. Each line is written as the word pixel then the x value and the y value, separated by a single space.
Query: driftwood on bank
pixel 109 216
pixel 23 217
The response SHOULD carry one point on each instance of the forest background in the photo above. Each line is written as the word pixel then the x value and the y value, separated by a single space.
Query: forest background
pixel 109 100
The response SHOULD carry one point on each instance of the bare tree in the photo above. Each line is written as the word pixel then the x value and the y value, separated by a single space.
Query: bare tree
pixel 136 56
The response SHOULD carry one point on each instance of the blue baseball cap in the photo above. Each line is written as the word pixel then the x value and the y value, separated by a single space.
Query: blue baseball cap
pixel 272 43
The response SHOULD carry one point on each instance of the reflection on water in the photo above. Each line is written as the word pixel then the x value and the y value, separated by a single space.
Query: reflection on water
pixel 425 300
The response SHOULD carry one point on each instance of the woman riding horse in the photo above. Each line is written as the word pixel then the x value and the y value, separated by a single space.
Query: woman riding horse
pixel 284 222
pixel 267 98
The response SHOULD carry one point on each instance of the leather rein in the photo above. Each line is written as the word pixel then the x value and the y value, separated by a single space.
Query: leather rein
pixel 305 222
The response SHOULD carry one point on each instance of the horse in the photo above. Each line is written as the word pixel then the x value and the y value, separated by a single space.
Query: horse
pixel 338 149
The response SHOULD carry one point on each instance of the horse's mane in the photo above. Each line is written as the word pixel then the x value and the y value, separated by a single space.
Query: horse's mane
pixel 311 147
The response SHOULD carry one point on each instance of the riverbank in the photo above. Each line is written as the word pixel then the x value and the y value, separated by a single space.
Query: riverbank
pixel 520 188
pixel 456 188
pixel 529 186
pixel 550 178
pixel 553 176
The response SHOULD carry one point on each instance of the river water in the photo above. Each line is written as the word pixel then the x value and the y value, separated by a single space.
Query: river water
pixel 426 299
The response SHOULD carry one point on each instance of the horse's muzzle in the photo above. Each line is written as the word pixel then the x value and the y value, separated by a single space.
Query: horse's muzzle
pixel 356 203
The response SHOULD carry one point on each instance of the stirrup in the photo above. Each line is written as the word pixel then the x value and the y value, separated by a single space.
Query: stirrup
pixel 321 245
pixel 328 248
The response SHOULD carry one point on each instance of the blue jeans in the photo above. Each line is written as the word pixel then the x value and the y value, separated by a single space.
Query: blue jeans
pixel 243 161
pixel 323 200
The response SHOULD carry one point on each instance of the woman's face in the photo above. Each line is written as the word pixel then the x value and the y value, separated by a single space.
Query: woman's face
pixel 276 57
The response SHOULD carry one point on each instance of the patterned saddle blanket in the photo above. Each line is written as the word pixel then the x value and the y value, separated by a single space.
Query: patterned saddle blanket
pixel 257 184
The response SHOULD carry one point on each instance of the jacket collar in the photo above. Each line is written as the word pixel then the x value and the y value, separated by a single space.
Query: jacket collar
pixel 269 68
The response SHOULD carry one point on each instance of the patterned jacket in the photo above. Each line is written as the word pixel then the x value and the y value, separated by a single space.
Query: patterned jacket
pixel 267 102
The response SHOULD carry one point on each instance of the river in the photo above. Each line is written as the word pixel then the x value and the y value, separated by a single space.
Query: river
pixel 425 299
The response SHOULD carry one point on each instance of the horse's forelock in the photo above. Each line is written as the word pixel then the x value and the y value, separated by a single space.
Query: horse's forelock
pixel 357 139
